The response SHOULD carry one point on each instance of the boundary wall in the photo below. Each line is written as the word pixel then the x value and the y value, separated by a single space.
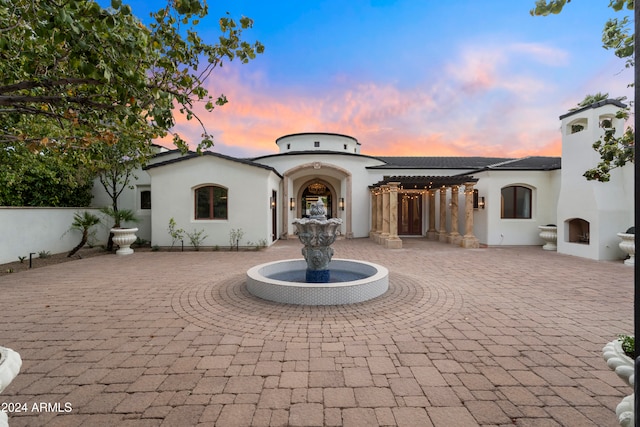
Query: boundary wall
pixel 25 230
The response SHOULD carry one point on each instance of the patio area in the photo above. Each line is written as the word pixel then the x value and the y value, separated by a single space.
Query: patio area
pixel 498 336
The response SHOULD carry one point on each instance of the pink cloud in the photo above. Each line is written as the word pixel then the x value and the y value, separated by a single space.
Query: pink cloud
pixel 478 106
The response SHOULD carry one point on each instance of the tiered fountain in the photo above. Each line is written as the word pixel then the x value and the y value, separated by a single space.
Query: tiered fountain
pixel 317 279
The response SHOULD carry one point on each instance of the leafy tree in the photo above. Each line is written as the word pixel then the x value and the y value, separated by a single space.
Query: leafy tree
pixel 72 72
pixel 47 177
pixel 115 164
pixel 616 35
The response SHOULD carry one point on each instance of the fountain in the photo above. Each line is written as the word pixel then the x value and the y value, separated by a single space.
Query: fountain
pixel 317 279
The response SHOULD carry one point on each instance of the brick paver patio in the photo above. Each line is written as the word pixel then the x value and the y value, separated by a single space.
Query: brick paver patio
pixel 498 336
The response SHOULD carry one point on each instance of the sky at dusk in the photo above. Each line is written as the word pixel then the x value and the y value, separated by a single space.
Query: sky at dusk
pixel 424 78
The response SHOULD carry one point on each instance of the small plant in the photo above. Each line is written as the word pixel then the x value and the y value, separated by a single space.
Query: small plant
pixel 44 254
pixel 235 235
pixel 22 258
pixel 155 248
pixel 196 238
pixel 175 233
pixel 118 217
pixel 262 243
pixel 9 270
pixel 628 345
pixel 82 222
pixel 140 242
pixel 216 248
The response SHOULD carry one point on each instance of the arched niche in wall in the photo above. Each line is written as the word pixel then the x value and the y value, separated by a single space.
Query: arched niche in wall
pixel 576 231
pixel 606 121
pixel 577 125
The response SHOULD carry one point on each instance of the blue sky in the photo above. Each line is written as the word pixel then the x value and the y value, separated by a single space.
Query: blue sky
pixel 464 77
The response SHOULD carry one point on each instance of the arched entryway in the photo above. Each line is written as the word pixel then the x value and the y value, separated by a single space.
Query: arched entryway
pixel 311 193
pixel 337 194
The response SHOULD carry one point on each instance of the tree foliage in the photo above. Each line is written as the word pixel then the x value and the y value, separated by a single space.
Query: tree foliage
pixel 115 164
pixel 75 73
pixel 43 178
pixel 617 35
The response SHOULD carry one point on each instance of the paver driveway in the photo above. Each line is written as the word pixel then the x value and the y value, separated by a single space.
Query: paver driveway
pixel 496 336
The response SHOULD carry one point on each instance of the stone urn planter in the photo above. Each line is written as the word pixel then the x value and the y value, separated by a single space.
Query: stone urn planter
pixel 623 366
pixel 10 363
pixel 124 238
pixel 628 245
pixel 549 233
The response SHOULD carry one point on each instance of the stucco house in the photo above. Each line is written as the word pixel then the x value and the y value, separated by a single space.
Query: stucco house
pixel 467 201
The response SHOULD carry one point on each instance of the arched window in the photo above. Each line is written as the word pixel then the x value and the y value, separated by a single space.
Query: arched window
pixel 516 202
pixel 211 202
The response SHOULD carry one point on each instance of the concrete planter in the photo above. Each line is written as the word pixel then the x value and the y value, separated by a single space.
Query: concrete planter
pixel 549 233
pixel 628 245
pixel 623 366
pixel 124 238
pixel 10 363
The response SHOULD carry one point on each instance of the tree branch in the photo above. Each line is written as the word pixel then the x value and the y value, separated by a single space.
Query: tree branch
pixel 48 84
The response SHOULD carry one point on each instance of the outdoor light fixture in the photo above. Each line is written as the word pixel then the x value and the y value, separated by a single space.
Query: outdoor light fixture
pixel 292 204
pixel 273 202
pixel 481 203
pixel 341 203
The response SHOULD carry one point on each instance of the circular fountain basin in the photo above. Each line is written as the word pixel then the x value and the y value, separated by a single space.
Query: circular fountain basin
pixel 351 282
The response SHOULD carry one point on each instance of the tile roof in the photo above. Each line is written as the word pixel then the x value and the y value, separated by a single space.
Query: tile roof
pixel 529 163
pixel 191 155
pixel 425 182
pixel 598 104
pixel 470 163
pixel 412 162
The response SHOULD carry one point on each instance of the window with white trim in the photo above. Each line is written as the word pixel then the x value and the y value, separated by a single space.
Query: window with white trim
pixel 516 202
pixel 211 202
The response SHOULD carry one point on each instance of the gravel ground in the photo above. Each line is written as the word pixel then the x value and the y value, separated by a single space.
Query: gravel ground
pixel 37 262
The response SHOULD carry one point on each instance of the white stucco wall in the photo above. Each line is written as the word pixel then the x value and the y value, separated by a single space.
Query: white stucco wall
pixel 493 230
pixel 32 230
pixel 249 192
pixel 608 207
pixel 318 141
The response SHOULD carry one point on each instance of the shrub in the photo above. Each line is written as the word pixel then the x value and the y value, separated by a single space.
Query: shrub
pixel 175 233
pixel 44 254
pixel 196 238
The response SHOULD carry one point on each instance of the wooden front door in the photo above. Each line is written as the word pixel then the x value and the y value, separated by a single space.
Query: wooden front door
pixel 409 214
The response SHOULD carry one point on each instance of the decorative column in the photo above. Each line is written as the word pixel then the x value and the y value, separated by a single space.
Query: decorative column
pixel 393 241
pixel 378 215
pixel 431 232
pixel 287 214
pixel 385 214
pixel 374 213
pixel 442 229
pixel 454 237
pixel 349 203
pixel 469 240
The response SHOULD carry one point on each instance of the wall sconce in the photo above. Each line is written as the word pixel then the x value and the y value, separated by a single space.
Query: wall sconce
pixel 272 202
pixel 292 204
pixel 341 203
pixel 481 203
